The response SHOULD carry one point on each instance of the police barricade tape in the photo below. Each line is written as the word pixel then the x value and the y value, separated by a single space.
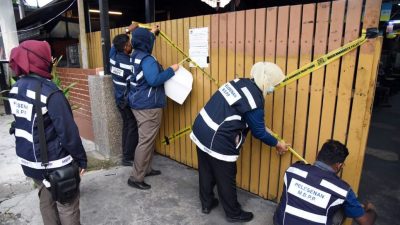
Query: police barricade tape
pixel 369 33
pixel 328 58
pixel 176 135
pixel 290 148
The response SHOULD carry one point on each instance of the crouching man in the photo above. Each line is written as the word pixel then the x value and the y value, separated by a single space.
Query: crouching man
pixel 314 194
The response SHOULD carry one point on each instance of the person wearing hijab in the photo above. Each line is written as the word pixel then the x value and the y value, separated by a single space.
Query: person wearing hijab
pixel 146 98
pixel 220 130
pixel 31 62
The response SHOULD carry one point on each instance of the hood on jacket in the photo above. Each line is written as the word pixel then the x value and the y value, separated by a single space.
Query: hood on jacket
pixel 143 40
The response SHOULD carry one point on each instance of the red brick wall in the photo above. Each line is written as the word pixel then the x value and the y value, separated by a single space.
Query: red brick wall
pixel 79 96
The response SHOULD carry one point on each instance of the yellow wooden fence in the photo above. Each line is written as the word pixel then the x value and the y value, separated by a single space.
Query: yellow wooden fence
pixel 334 102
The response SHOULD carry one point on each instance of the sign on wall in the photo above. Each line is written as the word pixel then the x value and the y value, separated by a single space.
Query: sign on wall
pixel 386 10
pixel 198 46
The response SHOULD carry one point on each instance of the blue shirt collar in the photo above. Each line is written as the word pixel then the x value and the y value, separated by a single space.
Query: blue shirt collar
pixel 323 166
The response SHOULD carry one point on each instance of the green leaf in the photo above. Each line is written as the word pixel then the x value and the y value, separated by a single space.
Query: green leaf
pixel 68 88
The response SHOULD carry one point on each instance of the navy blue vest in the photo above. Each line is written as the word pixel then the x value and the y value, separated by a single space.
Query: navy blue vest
pixel 141 94
pixel 311 196
pixel 22 101
pixel 220 128
pixel 121 70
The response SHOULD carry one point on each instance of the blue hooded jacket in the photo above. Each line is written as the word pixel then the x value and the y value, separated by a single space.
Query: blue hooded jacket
pixel 147 82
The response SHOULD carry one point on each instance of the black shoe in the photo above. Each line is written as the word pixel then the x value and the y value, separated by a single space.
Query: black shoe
pixel 138 185
pixel 153 173
pixel 127 162
pixel 207 210
pixel 243 217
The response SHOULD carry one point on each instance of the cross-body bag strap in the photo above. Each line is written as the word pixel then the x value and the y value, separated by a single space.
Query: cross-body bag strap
pixel 40 125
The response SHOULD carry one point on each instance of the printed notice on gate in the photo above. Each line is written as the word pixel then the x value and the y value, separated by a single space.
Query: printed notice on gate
pixel 198 46
pixel 309 193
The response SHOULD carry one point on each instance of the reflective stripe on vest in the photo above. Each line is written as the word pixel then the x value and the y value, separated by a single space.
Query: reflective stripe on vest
pixel 125 66
pixel 334 188
pixel 249 97
pixel 119 83
pixel 306 215
pixel 227 158
pixel 139 76
pixel 23 134
pixel 52 164
pixel 297 171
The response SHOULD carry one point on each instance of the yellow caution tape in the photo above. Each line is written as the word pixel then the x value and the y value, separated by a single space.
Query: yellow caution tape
pixel 322 61
pixel 290 148
pixel 176 135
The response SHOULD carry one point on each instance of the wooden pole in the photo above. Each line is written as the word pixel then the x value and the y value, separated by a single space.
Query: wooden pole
pixel 82 35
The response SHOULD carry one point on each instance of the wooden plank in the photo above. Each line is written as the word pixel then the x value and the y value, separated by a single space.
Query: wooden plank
pixel 239 69
pixel 351 32
pixel 176 106
pixel 170 106
pixel 188 103
pixel 194 95
pixel 279 97
pixel 332 72
pixel 207 82
pixel 364 84
pixel 200 89
pixel 182 119
pixel 231 55
pixel 259 46
pixel 290 90
pixel 89 42
pixel 306 44
pixel 317 79
pixel 270 43
pixel 165 110
pixel 248 63
pixel 158 54
pixel 97 49
pixel 92 39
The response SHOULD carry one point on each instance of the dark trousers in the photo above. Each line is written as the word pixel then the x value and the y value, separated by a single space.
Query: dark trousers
pixel 223 174
pixel 130 134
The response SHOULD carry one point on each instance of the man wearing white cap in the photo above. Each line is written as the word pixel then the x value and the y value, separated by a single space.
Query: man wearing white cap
pixel 220 130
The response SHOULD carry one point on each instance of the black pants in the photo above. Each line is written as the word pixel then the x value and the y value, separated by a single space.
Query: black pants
pixel 130 134
pixel 223 174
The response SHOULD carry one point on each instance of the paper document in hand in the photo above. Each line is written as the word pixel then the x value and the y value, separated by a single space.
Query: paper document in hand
pixel 179 86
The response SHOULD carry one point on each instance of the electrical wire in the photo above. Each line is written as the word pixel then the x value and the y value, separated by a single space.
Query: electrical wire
pixel 43 24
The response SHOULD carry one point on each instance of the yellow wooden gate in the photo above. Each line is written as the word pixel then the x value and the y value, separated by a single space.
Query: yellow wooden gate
pixel 334 102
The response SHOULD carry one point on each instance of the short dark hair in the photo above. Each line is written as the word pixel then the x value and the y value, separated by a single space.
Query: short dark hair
pixel 333 152
pixel 120 41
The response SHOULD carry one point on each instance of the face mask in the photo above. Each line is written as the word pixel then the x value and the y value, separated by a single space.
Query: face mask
pixel 268 90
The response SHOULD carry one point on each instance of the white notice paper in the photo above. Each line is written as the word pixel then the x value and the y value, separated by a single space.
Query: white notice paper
pixel 179 86
pixel 198 46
